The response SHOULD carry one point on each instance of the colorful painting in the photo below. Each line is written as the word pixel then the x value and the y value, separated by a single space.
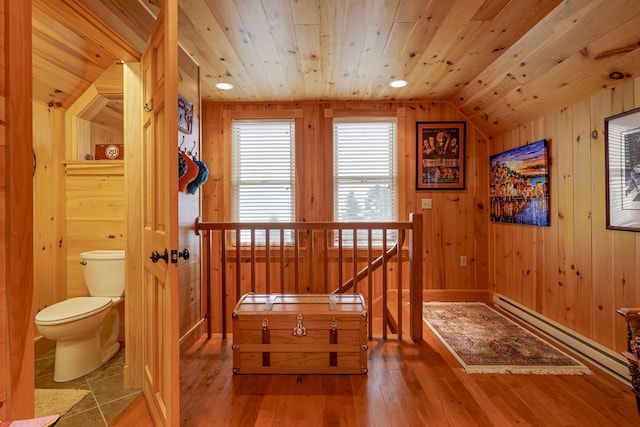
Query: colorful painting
pixel 519 185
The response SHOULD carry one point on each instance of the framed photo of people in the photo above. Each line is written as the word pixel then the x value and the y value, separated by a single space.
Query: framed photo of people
pixel 622 170
pixel 440 155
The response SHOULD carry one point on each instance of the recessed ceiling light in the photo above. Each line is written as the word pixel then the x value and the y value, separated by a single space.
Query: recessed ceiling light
pixel 398 83
pixel 224 86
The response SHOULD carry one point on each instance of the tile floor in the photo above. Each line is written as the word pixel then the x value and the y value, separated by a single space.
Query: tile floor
pixel 107 397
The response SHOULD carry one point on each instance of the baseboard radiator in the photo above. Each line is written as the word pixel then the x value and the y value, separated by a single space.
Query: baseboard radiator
pixel 605 359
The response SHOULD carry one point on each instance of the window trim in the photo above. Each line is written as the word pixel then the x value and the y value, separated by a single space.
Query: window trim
pixel 400 114
pixel 371 117
pixel 228 116
pixel 325 120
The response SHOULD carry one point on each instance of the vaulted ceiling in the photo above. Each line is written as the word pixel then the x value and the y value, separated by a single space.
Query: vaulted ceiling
pixel 501 62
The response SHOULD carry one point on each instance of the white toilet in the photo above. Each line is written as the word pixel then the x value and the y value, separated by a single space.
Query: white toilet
pixel 86 328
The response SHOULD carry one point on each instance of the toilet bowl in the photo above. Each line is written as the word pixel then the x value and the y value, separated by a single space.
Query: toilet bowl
pixel 86 329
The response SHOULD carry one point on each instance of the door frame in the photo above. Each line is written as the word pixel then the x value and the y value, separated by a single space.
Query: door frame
pixel 16 244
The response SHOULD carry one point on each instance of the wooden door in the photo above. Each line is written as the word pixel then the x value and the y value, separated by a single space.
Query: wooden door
pixel 16 213
pixel 160 218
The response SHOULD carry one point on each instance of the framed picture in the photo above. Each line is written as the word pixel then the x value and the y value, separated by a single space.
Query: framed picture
pixel 622 170
pixel 185 115
pixel 440 156
pixel 519 185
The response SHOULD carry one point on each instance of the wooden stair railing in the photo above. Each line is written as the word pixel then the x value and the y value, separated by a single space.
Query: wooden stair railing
pixel 369 268
pixel 394 325
pixel 305 259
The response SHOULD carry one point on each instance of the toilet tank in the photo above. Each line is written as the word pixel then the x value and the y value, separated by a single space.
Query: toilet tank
pixel 103 272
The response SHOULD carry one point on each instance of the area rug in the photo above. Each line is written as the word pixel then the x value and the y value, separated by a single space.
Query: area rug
pixel 485 341
pixel 56 401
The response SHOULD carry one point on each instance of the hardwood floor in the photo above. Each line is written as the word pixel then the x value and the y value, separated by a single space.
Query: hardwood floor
pixel 137 414
pixel 408 384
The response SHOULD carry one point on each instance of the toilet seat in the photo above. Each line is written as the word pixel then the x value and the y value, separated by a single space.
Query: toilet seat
pixel 72 309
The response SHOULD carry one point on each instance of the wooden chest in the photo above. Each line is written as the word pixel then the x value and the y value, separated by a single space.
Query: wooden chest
pixel 300 334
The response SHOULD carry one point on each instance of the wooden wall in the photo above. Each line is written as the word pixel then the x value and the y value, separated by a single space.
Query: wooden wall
pixel 48 207
pixel 192 304
pixel 575 272
pixel 94 216
pixel 78 206
pixel 457 225
pixel 101 134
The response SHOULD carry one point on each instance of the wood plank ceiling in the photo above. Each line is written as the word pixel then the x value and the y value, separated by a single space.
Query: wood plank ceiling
pixel 501 62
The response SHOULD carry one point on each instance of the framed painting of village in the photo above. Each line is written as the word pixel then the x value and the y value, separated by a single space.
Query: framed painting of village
pixel 622 170
pixel 440 155
pixel 519 185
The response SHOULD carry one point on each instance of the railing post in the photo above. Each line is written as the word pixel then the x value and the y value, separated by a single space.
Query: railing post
pixel 415 262
pixel 206 249
pixel 223 281
pixel 385 308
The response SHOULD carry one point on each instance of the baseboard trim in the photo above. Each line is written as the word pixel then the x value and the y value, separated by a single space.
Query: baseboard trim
pixel 602 357
pixel 42 346
pixel 192 335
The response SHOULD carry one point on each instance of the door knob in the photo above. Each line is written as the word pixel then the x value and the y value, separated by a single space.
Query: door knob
pixel 155 256
pixel 175 255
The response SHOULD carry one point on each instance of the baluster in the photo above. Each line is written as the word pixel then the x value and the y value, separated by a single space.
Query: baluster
pixel 267 259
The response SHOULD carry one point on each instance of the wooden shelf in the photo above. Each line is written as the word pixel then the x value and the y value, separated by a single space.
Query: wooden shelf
pixel 94 167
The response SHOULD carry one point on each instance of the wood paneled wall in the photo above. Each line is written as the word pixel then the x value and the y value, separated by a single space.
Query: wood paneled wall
pixel 95 214
pixel 48 207
pixel 78 206
pixel 134 277
pixel 457 225
pixel 192 304
pixel 575 271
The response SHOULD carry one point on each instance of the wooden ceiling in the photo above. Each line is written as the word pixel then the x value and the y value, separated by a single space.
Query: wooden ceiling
pixel 501 62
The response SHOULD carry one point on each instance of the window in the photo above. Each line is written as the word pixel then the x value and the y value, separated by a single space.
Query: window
pixel 263 173
pixel 365 172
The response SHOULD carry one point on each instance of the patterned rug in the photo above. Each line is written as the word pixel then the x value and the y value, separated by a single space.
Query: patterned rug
pixel 485 341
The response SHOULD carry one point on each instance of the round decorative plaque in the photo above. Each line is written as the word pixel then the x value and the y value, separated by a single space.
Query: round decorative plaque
pixel 112 152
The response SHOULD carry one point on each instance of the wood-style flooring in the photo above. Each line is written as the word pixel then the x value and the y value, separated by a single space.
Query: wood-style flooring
pixel 408 384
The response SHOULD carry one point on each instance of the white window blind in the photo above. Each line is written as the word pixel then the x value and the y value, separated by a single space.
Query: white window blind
pixel 263 173
pixel 365 172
